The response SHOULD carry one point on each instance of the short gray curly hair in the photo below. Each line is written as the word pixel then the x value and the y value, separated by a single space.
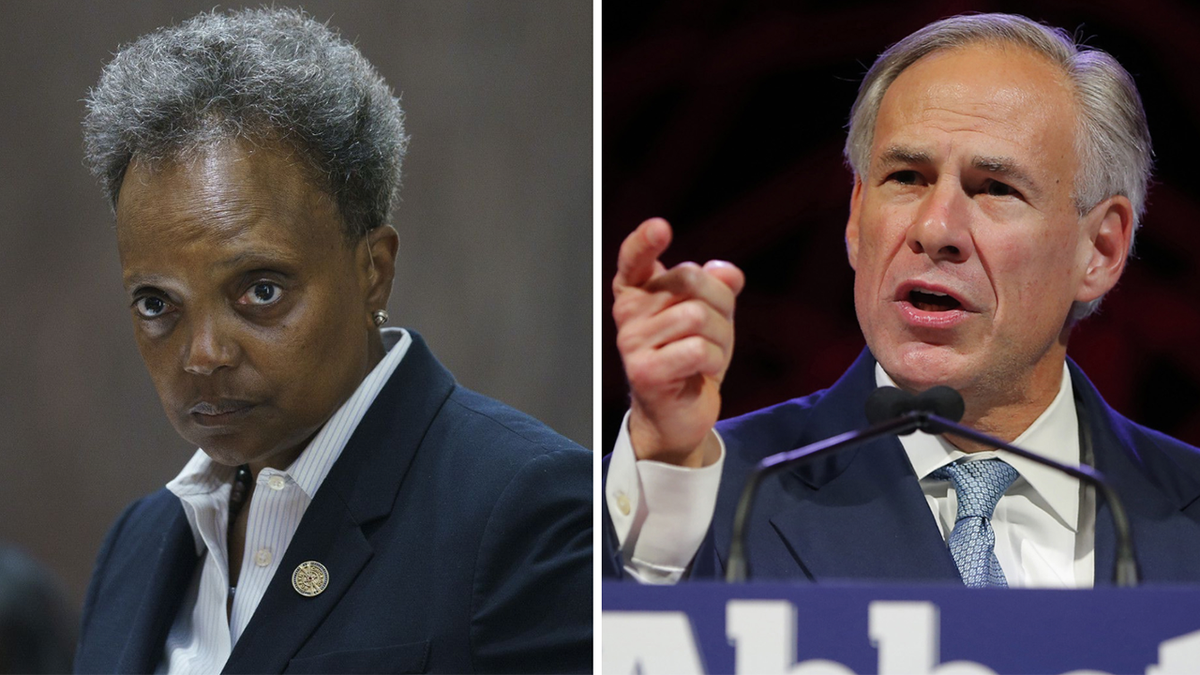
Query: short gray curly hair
pixel 262 74
pixel 1113 139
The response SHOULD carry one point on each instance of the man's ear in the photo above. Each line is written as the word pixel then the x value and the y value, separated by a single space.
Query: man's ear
pixel 852 222
pixel 1108 232
pixel 377 265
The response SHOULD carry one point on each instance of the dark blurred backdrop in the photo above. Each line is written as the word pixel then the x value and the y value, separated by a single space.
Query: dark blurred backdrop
pixel 495 230
pixel 727 118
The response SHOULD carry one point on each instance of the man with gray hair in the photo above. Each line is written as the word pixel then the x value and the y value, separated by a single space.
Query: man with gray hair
pixel 1000 171
pixel 351 507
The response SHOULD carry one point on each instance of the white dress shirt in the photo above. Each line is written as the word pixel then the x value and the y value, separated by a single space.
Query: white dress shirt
pixel 203 634
pixel 1044 523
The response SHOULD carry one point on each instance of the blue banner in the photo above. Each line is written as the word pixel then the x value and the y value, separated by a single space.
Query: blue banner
pixel 702 627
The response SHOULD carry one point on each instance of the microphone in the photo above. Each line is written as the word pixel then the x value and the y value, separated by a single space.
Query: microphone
pixel 887 402
pixel 936 411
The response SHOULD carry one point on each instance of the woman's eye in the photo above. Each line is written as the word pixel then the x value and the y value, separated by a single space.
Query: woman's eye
pixel 262 293
pixel 150 307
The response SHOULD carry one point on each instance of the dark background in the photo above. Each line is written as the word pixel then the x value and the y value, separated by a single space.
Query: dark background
pixel 727 118
pixel 495 240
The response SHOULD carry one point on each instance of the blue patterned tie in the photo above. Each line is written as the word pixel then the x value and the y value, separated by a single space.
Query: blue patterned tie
pixel 973 542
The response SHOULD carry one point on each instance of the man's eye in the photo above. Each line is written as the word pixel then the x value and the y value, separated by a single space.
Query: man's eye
pixel 998 189
pixel 150 306
pixel 261 293
pixel 905 177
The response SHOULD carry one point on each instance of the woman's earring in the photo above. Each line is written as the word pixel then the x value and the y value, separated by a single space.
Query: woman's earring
pixel 380 317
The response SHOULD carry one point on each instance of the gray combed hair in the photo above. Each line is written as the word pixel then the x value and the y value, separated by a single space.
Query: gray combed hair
pixel 1113 138
pixel 261 75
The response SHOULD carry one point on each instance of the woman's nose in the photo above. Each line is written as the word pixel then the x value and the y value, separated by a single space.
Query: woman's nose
pixel 209 348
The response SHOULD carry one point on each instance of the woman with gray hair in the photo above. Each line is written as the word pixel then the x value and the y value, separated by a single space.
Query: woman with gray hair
pixel 352 508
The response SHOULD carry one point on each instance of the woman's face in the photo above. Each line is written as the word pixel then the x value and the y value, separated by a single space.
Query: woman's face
pixel 250 308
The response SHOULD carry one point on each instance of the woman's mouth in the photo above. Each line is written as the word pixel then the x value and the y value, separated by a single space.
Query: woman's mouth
pixel 219 412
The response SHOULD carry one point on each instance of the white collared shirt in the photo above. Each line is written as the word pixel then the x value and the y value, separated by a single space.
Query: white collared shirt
pixel 1044 524
pixel 202 636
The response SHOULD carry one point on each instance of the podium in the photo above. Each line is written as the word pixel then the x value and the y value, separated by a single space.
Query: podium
pixel 772 628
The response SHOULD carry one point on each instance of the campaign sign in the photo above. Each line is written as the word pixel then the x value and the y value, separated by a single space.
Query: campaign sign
pixel 822 629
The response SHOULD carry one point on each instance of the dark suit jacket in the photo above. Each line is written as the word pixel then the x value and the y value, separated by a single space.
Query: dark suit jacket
pixel 861 514
pixel 457 535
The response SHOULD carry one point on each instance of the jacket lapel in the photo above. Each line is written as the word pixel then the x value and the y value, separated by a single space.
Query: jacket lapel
pixel 284 619
pixel 361 488
pixel 870 522
pixel 1153 488
pixel 170 579
pixel 859 514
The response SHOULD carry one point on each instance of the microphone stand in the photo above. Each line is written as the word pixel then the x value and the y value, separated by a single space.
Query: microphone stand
pixel 1125 571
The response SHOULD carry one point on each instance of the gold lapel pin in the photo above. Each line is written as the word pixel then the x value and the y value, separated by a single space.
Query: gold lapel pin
pixel 310 578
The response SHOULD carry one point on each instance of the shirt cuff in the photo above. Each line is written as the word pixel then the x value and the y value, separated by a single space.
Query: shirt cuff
pixel 661 512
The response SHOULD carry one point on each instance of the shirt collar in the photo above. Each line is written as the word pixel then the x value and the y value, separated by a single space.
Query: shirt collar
pixel 203 476
pixel 1054 434
pixel 200 483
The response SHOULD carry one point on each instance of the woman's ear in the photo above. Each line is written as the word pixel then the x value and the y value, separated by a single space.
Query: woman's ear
pixel 377 265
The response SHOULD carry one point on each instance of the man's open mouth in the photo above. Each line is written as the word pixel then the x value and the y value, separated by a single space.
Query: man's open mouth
pixel 932 301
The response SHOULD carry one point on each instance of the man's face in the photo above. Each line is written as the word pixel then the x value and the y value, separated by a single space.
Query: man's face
pixel 249 307
pixel 964 236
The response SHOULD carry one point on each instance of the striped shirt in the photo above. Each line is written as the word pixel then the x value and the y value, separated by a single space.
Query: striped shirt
pixel 202 636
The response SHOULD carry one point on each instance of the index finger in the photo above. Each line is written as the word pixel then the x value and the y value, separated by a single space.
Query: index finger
pixel 639 252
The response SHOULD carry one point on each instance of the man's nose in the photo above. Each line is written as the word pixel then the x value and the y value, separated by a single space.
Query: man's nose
pixel 210 347
pixel 942 228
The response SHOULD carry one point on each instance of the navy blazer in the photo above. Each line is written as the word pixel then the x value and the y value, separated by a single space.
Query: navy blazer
pixel 861 514
pixel 457 533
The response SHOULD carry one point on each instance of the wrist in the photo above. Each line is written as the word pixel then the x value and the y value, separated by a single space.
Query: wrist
pixel 648 445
